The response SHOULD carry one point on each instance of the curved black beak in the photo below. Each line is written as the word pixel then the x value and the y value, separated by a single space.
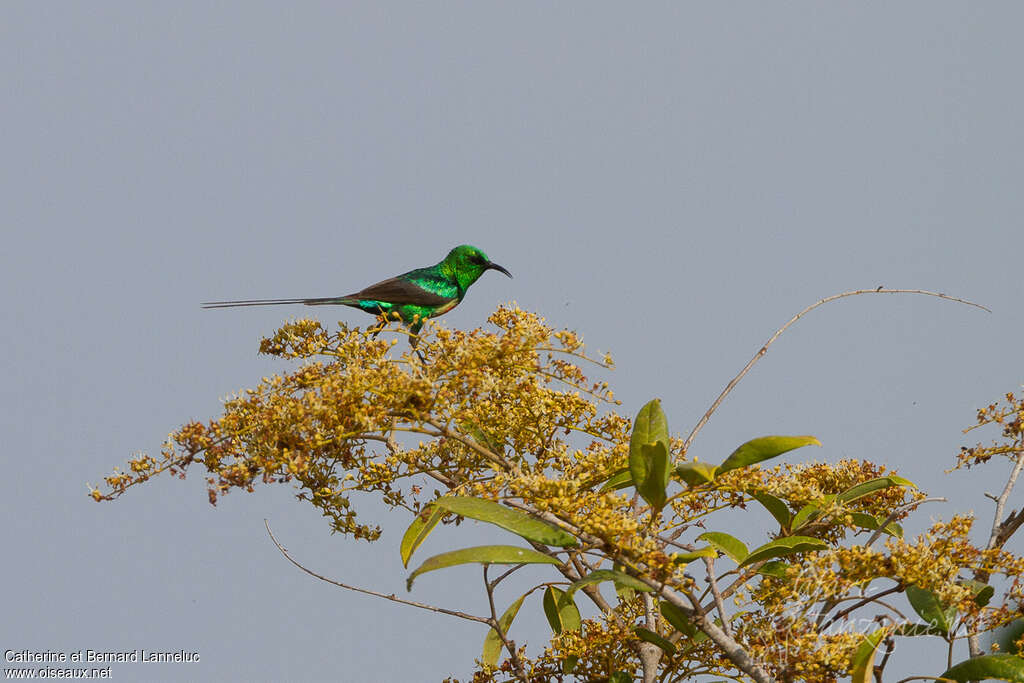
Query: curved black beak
pixel 495 266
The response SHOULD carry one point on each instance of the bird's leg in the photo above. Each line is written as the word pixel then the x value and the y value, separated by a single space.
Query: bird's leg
pixel 382 322
pixel 414 338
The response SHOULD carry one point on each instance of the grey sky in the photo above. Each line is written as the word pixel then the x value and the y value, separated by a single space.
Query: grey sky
pixel 673 180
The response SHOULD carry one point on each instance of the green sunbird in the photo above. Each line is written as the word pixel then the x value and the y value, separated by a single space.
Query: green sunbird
pixel 410 297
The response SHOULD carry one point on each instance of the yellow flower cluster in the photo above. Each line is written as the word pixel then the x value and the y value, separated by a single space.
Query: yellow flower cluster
pixel 1008 416
pixel 508 414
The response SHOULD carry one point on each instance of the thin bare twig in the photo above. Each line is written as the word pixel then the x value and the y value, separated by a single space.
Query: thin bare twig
pixel 709 562
pixel 469 443
pixel 494 584
pixel 731 649
pixel 764 349
pixel 1001 531
pixel 500 630
pixel 865 601
pixel 386 596
pixel 394 449
pixel 890 645
pixel 896 513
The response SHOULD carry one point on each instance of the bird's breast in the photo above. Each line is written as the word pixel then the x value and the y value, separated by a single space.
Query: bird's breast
pixel 445 308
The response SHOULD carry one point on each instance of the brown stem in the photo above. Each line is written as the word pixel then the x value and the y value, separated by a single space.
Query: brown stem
pixel 856 606
pixel 650 654
pixel 1002 529
pixel 510 645
pixel 729 647
pixel 386 596
pixel 469 443
pixel 764 349
pixel 709 562
pixel 896 513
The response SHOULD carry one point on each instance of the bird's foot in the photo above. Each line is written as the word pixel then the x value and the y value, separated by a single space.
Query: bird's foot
pixel 414 340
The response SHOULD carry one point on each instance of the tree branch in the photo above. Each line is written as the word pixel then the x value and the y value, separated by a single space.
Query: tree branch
pixel 1002 530
pixel 709 562
pixel 1000 534
pixel 866 601
pixel 764 349
pixel 496 625
pixel 733 651
pixel 896 513
pixel 650 654
pixel 386 596
pixel 471 444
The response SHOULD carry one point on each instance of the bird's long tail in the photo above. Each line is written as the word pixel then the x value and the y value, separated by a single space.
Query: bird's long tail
pixel 322 301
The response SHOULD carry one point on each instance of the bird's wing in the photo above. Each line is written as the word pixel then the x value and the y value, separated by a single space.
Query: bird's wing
pixel 430 290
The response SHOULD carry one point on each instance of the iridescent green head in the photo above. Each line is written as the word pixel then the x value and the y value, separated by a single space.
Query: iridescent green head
pixel 467 263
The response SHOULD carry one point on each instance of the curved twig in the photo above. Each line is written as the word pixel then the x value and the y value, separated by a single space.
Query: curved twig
pixel 729 647
pixel 709 562
pixel 510 645
pixel 764 349
pixel 1002 530
pixel 386 596
pixel 898 588
pixel 896 513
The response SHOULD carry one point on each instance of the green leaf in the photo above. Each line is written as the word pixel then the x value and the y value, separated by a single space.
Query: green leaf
pixel 982 597
pixel 569 664
pixel 777 507
pixel 618 481
pixel 680 622
pixel 649 469
pixel 863 663
pixel 620 677
pixel 481 554
pixel 625 593
pixel 602 575
pixel 892 528
pixel 730 545
pixel 492 641
pixel 650 426
pixel 927 605
pixel 651 637
pixel 530 528
pixel 1002 667
pixel 696 473
pixel 780 547
pixel 486 440
pixel 776 569
pixel 561 611
pixel 866 521
pixel 866 488
pixel 1006 636
pixel 805 515
pixel 982 591
pixel 764 448
pixel 690 556
pixel 418 532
